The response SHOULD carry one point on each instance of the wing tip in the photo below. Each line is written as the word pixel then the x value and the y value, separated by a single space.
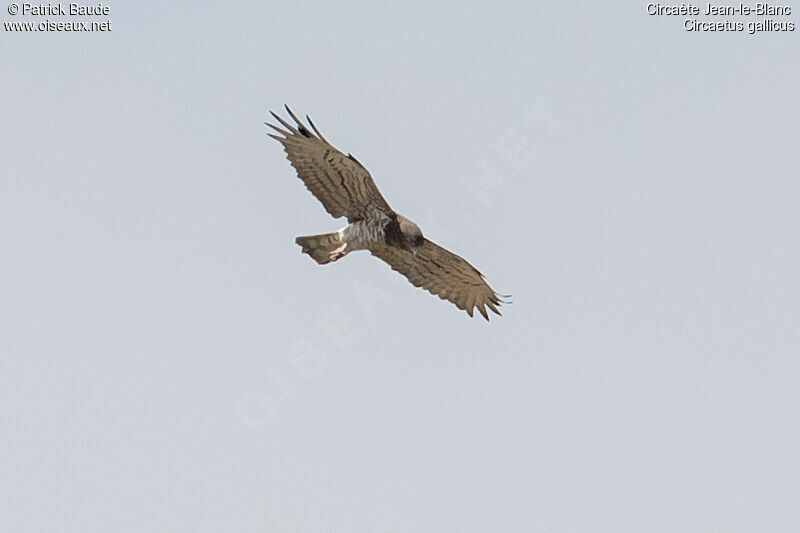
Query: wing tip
pixel 285 124
pixel 314 127
pixel 493 303
pixel 300 128
pixel 279 130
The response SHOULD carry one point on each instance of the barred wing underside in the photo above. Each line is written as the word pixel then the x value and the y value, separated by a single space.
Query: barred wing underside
pixel 443 274
pixel 339 181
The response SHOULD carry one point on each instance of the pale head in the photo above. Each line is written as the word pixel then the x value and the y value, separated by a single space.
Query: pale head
pixel 412 238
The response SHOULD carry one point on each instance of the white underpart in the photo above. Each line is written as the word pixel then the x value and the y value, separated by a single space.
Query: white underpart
pixel 341 248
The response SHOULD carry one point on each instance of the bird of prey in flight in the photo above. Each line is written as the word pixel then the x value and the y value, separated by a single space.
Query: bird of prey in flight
pixel 346 189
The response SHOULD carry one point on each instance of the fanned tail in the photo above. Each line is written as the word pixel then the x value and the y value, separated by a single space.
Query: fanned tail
pixel 324 248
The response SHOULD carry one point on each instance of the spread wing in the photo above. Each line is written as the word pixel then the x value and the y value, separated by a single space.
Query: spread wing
pixel 339 181
pixel 443 274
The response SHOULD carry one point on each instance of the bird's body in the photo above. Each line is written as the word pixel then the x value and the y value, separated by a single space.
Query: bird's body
pixel 358 235
pixel 346 189
pixel 368 234
pixel 364 234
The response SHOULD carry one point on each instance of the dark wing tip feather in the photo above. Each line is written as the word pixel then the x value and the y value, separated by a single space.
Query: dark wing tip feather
pixel 291 114
pixel 314 127
pixel 300 126
pixel 279 130
pixel 283 122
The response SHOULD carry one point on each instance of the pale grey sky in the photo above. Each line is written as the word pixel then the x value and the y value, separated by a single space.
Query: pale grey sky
pixel 170 361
